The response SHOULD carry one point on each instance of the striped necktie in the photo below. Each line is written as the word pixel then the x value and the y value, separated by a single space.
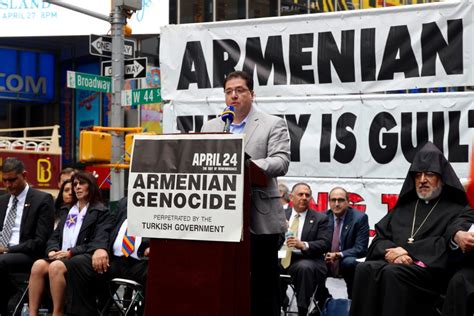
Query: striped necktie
pixel 128 244
pixel 8 225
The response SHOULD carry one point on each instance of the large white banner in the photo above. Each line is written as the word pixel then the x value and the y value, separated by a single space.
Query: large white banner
pixel 38 18
pixel 366 136
pixel 362 143
pixel 187 187
pixel 360 51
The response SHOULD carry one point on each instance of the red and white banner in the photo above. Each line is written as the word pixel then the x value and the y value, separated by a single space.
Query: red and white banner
pixel 364 143
pixel 357 51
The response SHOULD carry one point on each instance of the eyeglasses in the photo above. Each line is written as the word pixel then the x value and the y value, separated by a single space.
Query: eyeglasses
pixel 238 91
pixel 10 180
pixel 341 200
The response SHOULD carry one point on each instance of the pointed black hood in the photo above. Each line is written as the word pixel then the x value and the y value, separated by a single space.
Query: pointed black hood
pixel 430 158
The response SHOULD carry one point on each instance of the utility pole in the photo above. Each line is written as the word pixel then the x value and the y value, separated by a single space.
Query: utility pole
pixel 120 11
pixel 117 23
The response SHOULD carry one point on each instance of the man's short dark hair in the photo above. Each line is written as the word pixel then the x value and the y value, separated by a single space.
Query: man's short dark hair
pixel 67 170
pixel 242 75
pixel 13 164
pixel 342 189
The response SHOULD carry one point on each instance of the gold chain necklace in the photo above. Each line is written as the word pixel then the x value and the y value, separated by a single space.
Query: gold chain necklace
pixel 411 239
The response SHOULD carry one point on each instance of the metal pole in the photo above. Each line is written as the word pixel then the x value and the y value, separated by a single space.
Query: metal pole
pixel 118 21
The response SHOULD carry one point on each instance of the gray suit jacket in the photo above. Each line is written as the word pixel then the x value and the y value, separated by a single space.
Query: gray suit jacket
pixel 267 143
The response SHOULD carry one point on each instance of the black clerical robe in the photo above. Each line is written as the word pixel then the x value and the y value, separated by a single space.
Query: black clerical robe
pixel 384 289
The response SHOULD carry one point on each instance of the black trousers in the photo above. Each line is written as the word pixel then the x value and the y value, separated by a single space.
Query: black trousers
pixel 265 275
pixel 83 283
pixel 459 299
pixel 384 289
pixel 11 263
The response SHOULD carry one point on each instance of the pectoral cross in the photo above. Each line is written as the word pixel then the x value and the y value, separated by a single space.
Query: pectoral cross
pixel 411 240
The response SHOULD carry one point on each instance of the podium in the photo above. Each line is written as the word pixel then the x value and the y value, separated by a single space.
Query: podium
pixel 187 277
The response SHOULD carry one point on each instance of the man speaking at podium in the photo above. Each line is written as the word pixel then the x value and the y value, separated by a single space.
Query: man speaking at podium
pixel 267 143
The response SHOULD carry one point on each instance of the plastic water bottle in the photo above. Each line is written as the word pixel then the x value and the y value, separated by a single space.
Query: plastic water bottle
pixel 288 234
pixel 25 311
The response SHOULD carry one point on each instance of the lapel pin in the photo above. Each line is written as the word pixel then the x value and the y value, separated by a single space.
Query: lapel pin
pixel 347 227
pixel 311 221
pixel 27 204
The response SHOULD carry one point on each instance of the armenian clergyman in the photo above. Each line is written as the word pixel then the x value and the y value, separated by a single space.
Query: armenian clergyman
pixel 405 267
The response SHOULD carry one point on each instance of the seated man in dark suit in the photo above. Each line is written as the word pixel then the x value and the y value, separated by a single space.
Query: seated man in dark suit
pixel 349 229
pixel 126 255
pixel 308 239
pixel 26 222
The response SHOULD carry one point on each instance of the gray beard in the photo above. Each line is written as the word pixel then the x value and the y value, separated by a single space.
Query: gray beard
pixel 432 195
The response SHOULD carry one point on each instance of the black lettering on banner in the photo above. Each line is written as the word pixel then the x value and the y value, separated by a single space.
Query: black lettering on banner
pixel 296 130
pixel 152 199
pixel 192 197
pixel 300 58
pixel 433 44
pixel 342 61
pixel 139 182
pixel 214 183
pixel 152 181
pixel 229 201
pixel 470 118
pixel 138 199
pixel 438 130
pixel 215 201
pixel 179 200
pixel 168 183
pixel 254 60
pixel 325 142
pixel 398 40
pixel 346 137
pixel 385 152
pixel 181 181
pixel 193 58
pixel 457 152
pixel 226 56
pixel 166 199
pixel 408 149
pixel 185 123
pixel 367 54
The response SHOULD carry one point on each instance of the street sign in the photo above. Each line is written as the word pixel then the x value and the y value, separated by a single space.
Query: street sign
pixel 134 68
pixel 141 96
pixel 83 81
pixel 102 46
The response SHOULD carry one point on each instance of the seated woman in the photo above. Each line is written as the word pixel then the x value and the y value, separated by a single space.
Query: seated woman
pixel 84 227
pixel 64 199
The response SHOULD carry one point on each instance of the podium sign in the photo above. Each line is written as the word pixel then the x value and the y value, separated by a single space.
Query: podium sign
pixel 187 186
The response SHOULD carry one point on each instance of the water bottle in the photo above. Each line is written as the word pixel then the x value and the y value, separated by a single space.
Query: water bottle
pixel 288 234
pixel 25 311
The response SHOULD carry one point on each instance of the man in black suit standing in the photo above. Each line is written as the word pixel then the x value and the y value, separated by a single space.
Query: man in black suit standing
pixel 26 222
pixel 349 229
pixel 307 240
pixel 127 256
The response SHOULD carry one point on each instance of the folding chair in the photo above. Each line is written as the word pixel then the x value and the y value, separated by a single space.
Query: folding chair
pixel 126 296
pixel 313 306
pixel 20 281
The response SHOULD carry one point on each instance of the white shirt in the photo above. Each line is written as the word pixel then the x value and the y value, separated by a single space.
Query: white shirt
pixel 15 237
pixel 118 242
pixel 301 223
pixel 72 226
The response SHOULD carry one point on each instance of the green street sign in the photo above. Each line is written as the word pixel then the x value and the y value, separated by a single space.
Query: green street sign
pixel 83 81
pixel 141 96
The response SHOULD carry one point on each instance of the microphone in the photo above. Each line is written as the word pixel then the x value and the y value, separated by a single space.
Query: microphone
pixel 228 117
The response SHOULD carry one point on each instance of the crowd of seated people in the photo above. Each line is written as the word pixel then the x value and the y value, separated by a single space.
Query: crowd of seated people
pixel 63 244
pixel 423 250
